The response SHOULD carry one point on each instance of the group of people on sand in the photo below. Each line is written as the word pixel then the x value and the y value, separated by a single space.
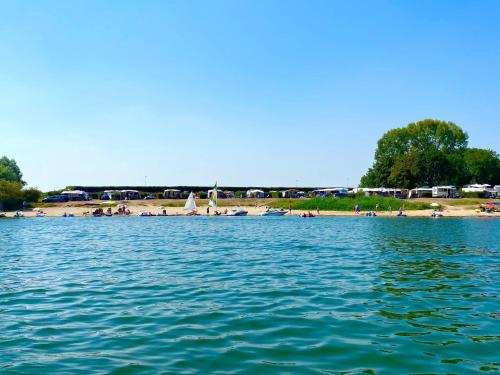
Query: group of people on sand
pixel 401 211
pixel 122 210
pixel 164 213
pixel 100 212
pixel 216 212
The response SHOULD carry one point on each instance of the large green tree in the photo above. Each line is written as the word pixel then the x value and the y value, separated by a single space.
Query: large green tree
pixel 482 166
pixel 9 171
pixel 430 152
pixel 11 186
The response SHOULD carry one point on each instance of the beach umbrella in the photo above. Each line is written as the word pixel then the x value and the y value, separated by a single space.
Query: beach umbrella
pixel 434 204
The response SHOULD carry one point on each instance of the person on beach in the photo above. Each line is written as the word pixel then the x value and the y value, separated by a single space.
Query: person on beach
pixel 317 210
pixel 208 210
pixel 377 207
pixel 356 209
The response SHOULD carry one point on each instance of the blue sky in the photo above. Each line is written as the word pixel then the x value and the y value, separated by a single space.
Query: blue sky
pixel 242 92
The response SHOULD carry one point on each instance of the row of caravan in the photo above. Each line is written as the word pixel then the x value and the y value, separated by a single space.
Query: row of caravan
pixel 451 191
pixel 446 191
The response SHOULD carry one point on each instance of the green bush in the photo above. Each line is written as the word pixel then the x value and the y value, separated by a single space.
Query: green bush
pixel 474 194
pixel 240 194
pixel 11 195
pixel 54 192
pixel 32 195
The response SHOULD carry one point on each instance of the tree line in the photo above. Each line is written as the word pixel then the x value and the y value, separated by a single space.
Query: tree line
pixel 12 187
pixel 429 153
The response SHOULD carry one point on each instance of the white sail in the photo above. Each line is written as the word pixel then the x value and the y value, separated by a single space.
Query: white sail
pixel 190 203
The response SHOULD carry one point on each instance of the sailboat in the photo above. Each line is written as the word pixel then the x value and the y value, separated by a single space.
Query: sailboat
pixel 212 199
pixel 190 205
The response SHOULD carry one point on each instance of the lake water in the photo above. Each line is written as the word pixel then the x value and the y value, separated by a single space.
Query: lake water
pixel 249 295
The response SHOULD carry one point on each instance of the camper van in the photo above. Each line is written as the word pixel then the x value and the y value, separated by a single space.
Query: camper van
pixel 444 192
pixel 75 195
pixel 111 195
pixel 130 194
pixel 476 188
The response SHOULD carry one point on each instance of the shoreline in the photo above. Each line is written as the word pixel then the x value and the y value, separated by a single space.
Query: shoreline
pixel 79 209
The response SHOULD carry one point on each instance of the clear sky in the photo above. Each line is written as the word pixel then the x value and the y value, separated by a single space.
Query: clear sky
pixel 242 92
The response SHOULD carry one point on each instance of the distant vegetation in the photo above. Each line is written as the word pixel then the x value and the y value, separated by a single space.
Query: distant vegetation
pixel 12 191
pixel 429 153
pixel 347 204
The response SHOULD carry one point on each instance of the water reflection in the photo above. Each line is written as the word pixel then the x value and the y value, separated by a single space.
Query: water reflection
pixel 436 283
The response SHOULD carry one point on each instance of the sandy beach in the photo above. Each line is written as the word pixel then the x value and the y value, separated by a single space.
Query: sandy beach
pixel 156 207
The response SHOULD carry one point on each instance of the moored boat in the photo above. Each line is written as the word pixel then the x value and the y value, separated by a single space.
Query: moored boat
pixel 273 212
pixel 237 212
pixel 436 213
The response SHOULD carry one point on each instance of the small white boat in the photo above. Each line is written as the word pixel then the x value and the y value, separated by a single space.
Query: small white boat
pixel 436 214
pixel 273 212
pixel 40 214
pixel 18 214
pixel 237 212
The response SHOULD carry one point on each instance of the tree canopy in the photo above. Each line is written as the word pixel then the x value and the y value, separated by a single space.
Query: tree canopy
pixel 11 186
pixel 430 152
pixel 482 165
pixel 9 171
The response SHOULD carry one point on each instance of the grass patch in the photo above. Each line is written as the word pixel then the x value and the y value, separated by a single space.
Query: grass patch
pixel 43 205
pixel 467 201
pixel 347 204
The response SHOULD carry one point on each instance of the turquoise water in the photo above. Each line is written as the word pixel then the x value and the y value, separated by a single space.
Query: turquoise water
pixel 249 295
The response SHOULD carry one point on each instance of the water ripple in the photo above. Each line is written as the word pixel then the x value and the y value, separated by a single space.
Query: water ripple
pixel 249 295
